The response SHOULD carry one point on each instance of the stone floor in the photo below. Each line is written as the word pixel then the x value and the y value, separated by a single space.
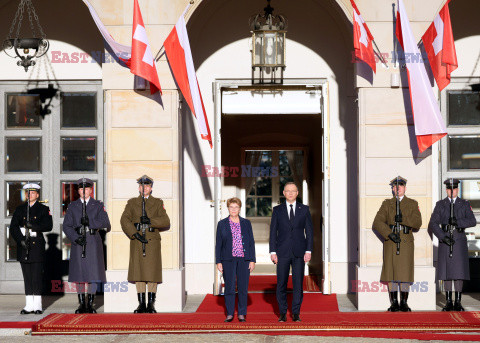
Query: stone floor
pixel 10 306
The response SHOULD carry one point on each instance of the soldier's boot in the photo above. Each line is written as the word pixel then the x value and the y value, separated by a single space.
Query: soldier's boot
pixel 394 307
pixel 151 302
pixel 403 302
pixel 91 299
pixel 82 307
pixel 458 302
pixel 448 301
pixel 142 307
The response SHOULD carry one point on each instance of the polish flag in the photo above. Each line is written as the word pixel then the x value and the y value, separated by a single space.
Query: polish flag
pixel 440 47
pixel 142 62
pixel 123 52
pixel 429 124
pixel 179 55
pixel 362 39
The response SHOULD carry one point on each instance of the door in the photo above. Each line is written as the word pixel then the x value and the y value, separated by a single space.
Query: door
pixel 266 173
pixel 54 149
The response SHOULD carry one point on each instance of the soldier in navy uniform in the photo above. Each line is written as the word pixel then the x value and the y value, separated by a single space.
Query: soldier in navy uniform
pixel 40 220
pixel 91 268
pixel 453 270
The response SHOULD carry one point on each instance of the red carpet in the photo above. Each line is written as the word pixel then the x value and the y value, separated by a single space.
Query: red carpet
pixel 268 283
pixel 16 325
pixel 359 324
pixel 267 303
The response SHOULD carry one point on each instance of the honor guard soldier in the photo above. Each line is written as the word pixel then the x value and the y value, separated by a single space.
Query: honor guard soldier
pixel 142 221
pixel 83 220
pixel 395 221
pixel 30 220
pixel 449 220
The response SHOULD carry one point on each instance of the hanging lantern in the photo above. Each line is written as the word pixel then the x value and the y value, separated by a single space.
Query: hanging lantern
pixel 268 46
pixel 26 49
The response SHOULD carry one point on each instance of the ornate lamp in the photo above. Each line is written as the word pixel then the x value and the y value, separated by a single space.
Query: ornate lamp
pixel 26 48
pixel 268 46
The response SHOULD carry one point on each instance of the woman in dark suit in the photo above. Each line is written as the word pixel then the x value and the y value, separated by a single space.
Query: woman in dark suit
pixel 235 257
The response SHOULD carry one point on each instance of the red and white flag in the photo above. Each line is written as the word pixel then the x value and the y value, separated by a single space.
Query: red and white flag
pixel 429 124
pixel 440 47
pixel 123 52
pixel 142 62
pixel 179 55
pixel 362 39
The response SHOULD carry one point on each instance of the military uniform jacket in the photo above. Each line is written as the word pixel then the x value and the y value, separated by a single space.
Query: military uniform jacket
pixel 148 268
pixel 92 267
pixel 457 266
pixel 398 268
pixel 41 220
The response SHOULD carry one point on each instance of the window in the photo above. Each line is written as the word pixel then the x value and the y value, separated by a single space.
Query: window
pixel 267 173
pixel 22 111
pixel 15 195
pixel 11 246
pixel 79 154
pixel 70 193
pixel 460 150
pixel 23 155
pixel 78 110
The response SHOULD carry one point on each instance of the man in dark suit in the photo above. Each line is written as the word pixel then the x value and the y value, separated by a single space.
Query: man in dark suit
pixel 453 265
pixel 291 244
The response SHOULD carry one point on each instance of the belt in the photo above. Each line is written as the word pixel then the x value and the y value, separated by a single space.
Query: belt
pixel 445 228
pixel 404 228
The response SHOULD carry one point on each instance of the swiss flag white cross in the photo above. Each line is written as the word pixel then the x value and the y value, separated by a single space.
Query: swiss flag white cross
pixel 141 35
pixel 142 61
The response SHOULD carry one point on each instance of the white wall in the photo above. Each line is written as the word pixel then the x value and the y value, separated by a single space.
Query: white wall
pixel 67 62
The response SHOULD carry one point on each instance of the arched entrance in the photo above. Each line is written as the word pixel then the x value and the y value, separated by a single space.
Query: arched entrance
pixel 318 46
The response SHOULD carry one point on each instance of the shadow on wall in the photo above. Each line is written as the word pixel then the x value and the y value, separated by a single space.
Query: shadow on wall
pixel 323 27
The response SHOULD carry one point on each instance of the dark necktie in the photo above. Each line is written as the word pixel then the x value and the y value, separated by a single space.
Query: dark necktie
pixel 292 215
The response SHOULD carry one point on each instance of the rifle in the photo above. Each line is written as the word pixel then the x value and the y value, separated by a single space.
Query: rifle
pixel 396 229
pixel 27 229
pixel 143 227
pixel 84 228
pixel 451 228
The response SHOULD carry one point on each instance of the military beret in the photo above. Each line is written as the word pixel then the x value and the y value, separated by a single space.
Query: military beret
pixel 82 181
pixel 145 179
pixel 401 181
pixel 32 187
pixel 451 182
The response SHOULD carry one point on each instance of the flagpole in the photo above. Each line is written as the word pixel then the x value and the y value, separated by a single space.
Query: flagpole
pixel 160 53
pixel 378 53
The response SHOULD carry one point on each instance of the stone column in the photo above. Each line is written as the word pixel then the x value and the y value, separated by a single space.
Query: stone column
pixel 142 137
pixel 386 148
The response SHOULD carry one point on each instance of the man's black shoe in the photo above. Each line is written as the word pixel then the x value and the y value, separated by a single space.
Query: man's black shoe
pixel 282 318
pixel 296 318
pixel 228 319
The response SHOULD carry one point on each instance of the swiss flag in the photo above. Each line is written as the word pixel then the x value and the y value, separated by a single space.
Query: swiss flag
pixel 179 55
pixel 362 39
pixel 440 47
pixel 429 124
pixel 142 61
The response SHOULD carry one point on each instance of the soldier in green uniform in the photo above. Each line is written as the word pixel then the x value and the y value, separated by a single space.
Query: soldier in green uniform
pixel 398 264
pixel 145 265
